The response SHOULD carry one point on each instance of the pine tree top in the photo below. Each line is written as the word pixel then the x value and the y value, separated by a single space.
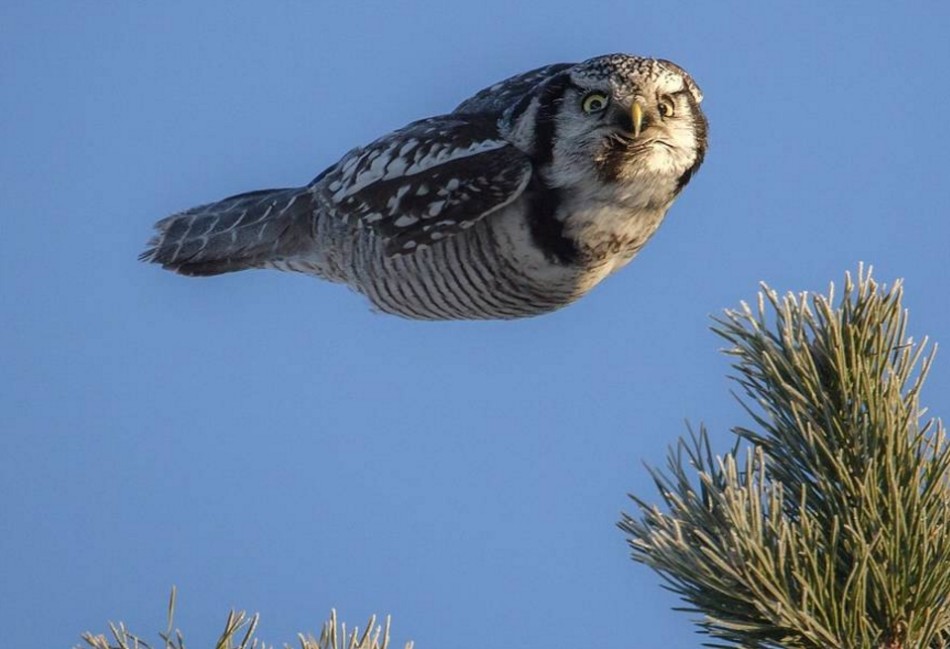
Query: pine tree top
pixel 828 524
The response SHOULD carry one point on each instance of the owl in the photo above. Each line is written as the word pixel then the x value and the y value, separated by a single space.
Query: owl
pixel 515 204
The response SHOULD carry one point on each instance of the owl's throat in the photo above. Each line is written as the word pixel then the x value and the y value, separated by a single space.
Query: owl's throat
pixel 591 228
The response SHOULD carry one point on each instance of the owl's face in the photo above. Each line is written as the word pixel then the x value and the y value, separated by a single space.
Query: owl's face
pixel 632 117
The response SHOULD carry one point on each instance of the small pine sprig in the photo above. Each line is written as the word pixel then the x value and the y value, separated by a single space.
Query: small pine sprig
pixel 238 633
pixel 831 528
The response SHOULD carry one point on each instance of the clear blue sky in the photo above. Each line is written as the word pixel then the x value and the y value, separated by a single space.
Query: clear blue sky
pixel 266 442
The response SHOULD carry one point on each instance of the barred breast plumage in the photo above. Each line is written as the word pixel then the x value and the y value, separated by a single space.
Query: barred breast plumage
pixel 515 204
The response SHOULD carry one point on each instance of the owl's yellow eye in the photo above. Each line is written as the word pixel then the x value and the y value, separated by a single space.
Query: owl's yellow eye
pixel 594 102
pixel 666 107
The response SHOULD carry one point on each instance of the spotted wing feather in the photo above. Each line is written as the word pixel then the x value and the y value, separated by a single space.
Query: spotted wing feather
pixel 426 182
pixel 498 97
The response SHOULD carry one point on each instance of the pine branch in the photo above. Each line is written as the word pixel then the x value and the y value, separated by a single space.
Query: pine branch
pixel 830 527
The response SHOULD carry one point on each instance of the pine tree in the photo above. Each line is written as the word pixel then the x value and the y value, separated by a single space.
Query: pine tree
pixel 828 524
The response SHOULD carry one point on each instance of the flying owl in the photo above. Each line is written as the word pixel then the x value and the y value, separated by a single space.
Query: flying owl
pixel 515 204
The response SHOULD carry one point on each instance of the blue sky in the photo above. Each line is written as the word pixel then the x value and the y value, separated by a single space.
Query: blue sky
pixel 266 442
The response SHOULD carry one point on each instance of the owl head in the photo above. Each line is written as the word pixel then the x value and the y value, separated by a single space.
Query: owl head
pixel 617 117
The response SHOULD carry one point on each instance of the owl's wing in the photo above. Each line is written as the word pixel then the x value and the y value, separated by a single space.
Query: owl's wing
pixel 427 181
pixel 496 98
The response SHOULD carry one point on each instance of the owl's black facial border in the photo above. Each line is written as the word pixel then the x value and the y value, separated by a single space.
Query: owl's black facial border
pixel 701 127
pixel 552 94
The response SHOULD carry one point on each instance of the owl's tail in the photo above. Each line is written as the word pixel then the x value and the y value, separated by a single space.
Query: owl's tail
pixel 240 232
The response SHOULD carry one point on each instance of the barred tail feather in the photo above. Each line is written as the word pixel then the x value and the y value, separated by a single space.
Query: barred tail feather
pixel 239 232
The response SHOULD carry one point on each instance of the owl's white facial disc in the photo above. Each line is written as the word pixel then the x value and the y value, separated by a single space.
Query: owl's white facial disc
pixel 633 117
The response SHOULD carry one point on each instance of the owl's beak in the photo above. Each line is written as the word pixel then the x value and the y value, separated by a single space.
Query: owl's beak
pixel 636 112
